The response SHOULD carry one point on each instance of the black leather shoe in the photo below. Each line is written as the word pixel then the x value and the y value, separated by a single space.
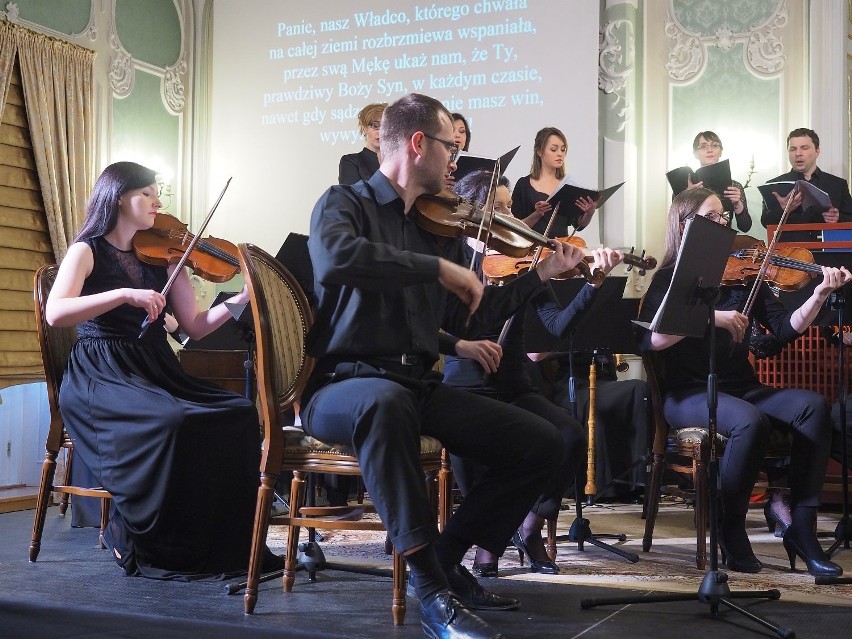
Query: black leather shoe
pixel 445 618
pixel 545 566
pixel 473 596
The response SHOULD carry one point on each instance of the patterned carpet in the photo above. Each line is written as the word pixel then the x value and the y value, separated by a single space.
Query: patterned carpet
pixel 669 566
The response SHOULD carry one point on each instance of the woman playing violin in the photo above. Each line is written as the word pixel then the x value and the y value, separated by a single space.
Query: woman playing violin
pixel 747 410
pixel 529 199
pixel 179 456
pixel 501 371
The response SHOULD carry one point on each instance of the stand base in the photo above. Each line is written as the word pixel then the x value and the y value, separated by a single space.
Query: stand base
pixel 580 533
pixel 714 590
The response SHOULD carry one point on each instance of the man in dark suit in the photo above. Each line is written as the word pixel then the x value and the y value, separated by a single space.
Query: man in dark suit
pixel 803 151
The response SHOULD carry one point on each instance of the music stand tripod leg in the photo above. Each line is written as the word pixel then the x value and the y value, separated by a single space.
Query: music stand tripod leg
pixel 714 589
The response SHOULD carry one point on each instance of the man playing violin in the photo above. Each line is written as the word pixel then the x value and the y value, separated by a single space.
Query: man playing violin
pixel 385 287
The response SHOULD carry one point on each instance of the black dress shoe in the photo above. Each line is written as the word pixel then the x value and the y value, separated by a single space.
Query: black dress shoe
pixel 473 596
pixel 487 569
pixel 445 618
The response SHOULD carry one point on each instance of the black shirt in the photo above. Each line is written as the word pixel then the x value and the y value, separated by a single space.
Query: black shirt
pixel 686 363
pixel 837 190
pixel 357 166
pixel 376 279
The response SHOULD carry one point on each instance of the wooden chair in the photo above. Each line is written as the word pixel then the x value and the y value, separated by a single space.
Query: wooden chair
pixel 282 318
pixel 55 344
pixel 686 451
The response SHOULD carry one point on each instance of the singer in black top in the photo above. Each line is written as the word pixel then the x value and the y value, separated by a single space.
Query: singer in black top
pixel 746 408
pixel 707 149
pixel 803 151
pixel 385 287
pixel 362 165
pixel 529 198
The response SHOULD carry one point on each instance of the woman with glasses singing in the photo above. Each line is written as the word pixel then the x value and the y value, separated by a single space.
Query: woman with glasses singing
pixel 361 166
pixel 707 149
pixel 747 410
pixel 529 199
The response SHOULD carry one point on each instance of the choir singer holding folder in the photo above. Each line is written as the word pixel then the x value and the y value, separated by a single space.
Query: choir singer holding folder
pixel 803 151
pixel 530 196
pixel 714 175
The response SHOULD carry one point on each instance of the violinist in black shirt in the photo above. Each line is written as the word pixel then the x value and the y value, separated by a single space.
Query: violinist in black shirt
pixel 385 286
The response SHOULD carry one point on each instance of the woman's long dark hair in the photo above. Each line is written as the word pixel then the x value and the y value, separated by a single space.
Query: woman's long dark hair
pixel 102 209
pixel 683 208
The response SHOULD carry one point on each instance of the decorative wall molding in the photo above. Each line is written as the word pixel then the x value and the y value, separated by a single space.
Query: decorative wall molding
pixel 763 50
pixel 173 89
pixel 13 14
pixel 121 68
pixel 616 56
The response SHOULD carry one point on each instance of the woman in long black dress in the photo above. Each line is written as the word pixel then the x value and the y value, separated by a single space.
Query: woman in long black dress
pixel 179 456
pixel 747 409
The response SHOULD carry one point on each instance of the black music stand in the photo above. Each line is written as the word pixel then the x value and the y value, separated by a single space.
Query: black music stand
pixel 687 308
pixel 599 329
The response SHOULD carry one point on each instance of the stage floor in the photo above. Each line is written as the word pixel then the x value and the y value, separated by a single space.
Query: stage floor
pixel 76 590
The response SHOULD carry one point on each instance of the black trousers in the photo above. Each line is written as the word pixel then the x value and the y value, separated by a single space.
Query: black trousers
pixel 382 416
pixel 745 418
pixel 468 472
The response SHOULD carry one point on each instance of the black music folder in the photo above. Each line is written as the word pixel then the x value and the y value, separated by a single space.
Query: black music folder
pixel 700 263
pixel 567 194
pixel 813 198
pixel 466 164
pixel 716 177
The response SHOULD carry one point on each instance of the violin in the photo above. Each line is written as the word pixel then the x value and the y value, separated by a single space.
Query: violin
pixel 165 243
pixel 449 215
pixel 500 268
pixel 789 268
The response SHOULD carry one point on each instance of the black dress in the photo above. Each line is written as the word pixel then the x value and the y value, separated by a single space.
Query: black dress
pixel 179 456
pixel 524 198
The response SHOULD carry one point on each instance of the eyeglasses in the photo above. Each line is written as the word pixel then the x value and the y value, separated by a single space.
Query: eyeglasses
pixel 706 146
pixel 375 125
pixel 723 217
pixel 452 147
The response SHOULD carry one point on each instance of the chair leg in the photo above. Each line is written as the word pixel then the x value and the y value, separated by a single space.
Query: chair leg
pixel 550 544
pixel 297 490
pixel 699 478
pixel 258 543
pixel 48 469
pixel 399 578
pixel 445 490
pixel 106 503
pixel 653 484
pixel 66 497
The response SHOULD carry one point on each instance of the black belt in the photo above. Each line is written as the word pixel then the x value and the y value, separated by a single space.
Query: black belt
pixel 402 360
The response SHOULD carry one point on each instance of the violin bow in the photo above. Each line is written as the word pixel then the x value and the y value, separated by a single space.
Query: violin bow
pixel 484 230
pixel 764 266
pixel 180 263
pixel 535 258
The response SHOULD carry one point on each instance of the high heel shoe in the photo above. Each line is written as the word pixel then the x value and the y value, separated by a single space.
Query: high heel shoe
pixel 743 560
pixel 817 566
pixel 776 522
pixel 487 569
pixel 545 567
